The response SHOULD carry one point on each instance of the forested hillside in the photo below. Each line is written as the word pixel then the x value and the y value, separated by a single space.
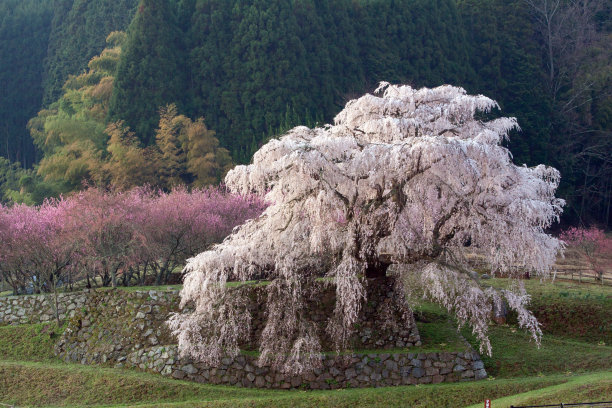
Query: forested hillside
pixel 42 42
pixel 24 34
pixel 254 68
pixel 78 33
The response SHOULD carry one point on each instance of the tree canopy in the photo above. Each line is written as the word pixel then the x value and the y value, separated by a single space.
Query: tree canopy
pixel 150 73
pixel 24 33
pixel 409 179
pixel 99 237
pixel 254 69
pixel 81 147
pixel 78 33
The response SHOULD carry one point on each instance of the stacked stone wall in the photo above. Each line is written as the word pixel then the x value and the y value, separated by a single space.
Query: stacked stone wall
pixel 40 308
pixel 352 370
pixel 127 329
pixel 115 323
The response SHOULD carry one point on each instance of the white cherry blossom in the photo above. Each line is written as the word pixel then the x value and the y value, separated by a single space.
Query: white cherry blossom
pixel 414 178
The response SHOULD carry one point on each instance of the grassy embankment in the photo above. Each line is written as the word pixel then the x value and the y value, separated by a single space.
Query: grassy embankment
pixel 572 365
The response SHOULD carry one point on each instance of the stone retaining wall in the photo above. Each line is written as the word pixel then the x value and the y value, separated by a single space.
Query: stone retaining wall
pixel 39 308
pixel 354 370
pixel 115 323
pixel 120 328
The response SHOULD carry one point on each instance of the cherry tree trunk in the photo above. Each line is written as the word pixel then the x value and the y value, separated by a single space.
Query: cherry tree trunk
pixel 377 270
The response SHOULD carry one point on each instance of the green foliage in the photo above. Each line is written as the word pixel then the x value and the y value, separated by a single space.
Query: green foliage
pixel 258 68
pixel 564 122
pixel 268 65
pixel 255 68
pixel 78 33
pixel 29 342
pixel 24 31
pixel 42 42
pixel 150 73
pixel 79 146
pixel 129 163
pixel 10 173
pixel 189 152
pixel 505 56
pixel 417 42
pixel 18 185
pixel 71 134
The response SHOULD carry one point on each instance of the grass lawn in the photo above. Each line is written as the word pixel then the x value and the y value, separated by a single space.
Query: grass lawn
pixel 559 290
pixel 579 311
pixel 30 342
pixel 437 330
pixel 516 355
pixel 585 388
pixel 69 385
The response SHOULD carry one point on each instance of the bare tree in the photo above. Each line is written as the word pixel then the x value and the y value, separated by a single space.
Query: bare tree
pixel 577 56
pixel 568 33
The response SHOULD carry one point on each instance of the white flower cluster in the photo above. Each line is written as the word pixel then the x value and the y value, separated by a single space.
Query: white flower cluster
pixel 409 177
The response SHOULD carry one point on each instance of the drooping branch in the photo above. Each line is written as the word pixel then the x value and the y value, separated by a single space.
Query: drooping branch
pixel 399 183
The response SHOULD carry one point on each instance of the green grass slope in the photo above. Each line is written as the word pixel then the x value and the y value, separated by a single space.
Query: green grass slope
pixel 516 355
pixel 571 366
pixel 32 342
pixel 585 388
pixel 581 311
pixel 68 385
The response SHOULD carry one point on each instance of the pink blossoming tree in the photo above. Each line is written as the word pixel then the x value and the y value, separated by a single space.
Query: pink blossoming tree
pixel 40 247
pixel 403 183
pixel 19 232
pixel 181 224
pixel 114 238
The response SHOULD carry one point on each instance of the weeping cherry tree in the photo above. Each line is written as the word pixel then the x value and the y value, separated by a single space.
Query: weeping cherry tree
pixel 405 183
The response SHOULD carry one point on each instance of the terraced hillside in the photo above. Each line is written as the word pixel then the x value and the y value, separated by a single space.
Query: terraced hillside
pixel 572 365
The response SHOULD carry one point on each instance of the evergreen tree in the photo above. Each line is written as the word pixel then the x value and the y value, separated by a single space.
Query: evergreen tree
pixel 251 59
pixel 268 56
pixel 189 151
pixel 150 73
pixel 129 163
pixel 506 60
pixel 417 42
pixel 255 68
pixel 24 31
pixel 341 34
pixel 207 162
pixel 212 29
pixel 78 33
